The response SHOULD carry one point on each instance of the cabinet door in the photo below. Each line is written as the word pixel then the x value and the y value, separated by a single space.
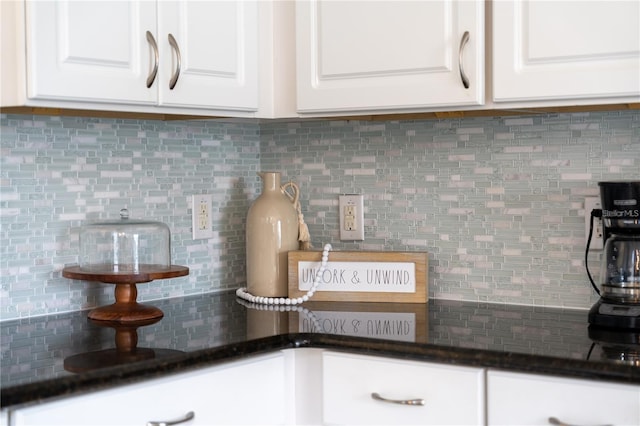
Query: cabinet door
pixel 217 46
pixel 545 51
pixel 90 50
pixel 245 392
pixel 452 395
pixel 526 399
pixel 388 55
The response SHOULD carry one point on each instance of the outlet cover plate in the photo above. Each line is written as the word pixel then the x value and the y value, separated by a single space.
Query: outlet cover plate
pixel 201 222
pixel 351 215
pixel 597 239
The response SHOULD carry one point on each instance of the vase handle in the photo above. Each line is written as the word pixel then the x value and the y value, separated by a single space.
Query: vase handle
pixel 296 192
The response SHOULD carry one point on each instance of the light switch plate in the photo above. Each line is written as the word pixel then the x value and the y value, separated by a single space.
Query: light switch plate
pixel 351 217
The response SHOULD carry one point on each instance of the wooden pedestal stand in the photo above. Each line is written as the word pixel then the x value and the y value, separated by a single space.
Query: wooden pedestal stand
pixel 126 308
pixel 125 352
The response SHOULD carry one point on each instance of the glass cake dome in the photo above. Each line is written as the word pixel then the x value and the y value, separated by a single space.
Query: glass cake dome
pixel 125 246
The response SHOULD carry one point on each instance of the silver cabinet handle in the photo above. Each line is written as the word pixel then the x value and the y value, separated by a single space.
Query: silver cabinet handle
pixel 152 75
pixel 176 74
pixel 554 421
pixel 377 397
pixel 463 75
pixel 190 415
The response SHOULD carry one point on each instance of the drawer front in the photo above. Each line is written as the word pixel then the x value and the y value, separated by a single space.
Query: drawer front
pixel 244 392
pixel 527 399
pixel 452 395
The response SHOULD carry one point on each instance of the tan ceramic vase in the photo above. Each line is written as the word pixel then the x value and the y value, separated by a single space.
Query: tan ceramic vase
pixel 272 231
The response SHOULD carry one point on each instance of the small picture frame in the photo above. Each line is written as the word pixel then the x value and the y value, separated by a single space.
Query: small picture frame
pixel 361 276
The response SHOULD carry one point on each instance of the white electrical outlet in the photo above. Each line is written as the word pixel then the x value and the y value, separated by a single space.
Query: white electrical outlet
pixel 351 217
pixel 201 217
pixel 591 203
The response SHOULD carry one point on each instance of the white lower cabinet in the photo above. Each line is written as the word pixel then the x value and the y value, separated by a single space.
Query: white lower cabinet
pixel 251 391
pixel 452 395
pixel 313 386
pixel 526 399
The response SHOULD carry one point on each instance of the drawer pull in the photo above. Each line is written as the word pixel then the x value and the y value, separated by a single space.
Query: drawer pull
pixel 554 421
pixel 190 415
pixel 418 401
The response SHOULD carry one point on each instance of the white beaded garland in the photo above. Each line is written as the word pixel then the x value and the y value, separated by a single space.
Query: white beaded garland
pixel 243 294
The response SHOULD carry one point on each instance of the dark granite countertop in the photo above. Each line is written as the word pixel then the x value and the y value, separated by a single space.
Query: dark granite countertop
pixel 57 355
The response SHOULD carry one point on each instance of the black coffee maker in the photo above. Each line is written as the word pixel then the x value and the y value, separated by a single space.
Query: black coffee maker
pixel 619 289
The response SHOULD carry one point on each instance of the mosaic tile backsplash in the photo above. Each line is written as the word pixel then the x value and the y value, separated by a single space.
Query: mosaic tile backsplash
pixel 498 203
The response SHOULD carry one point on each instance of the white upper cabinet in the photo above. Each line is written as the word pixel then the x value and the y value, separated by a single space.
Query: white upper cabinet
pixel 279 59
pixel 90 51
pixel 182 56
pixel 392 55
pixel 216 43
pixel 585 51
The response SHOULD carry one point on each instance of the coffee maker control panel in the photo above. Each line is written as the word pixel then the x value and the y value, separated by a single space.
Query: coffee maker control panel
pixel 620 310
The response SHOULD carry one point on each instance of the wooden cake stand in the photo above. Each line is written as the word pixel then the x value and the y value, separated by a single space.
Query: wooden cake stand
pixel 125 352
pixel 126 308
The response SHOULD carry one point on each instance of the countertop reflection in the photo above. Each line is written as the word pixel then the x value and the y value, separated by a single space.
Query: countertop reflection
pixel 43 349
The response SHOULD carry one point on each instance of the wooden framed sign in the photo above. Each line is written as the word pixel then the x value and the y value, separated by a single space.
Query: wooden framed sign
pixel 361 276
